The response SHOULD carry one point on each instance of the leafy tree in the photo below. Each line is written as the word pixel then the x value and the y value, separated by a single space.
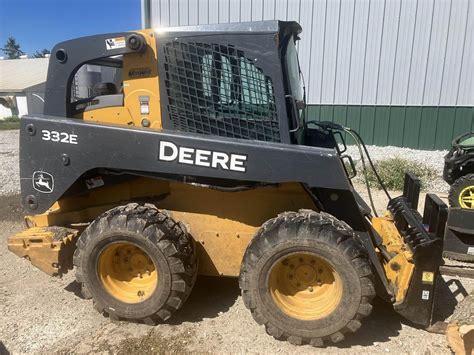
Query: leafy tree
pixel 41 54
pixel 12 49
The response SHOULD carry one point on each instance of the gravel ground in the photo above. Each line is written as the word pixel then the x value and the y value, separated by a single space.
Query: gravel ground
pixel 42 314
pixel 9 166
pixel 433 159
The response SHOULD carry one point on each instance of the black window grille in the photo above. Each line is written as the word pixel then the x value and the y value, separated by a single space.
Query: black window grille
pixel 214 89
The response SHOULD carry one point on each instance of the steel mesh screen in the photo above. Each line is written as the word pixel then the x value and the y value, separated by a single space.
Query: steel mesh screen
pixel 214 89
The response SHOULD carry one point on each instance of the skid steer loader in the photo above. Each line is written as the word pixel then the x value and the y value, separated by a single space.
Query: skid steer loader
pixel 164 154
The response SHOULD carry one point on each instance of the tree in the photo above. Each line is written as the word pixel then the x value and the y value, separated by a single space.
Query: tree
pixel 12 49
pixel 41 54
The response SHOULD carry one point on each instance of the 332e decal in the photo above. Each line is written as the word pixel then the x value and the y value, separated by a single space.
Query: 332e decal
pixel 58 137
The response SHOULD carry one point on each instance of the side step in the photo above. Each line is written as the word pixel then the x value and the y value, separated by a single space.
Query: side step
pixel 424 236
pixel 50 249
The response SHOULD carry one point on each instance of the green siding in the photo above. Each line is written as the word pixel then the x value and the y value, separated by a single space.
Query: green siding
pixel 421 127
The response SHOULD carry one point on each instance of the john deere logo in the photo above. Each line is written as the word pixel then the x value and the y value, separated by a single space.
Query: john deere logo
pixel 43 182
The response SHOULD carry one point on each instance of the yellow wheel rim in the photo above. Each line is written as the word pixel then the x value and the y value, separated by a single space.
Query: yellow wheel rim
pixel 466 198
pixel 305 287
pixel 127 273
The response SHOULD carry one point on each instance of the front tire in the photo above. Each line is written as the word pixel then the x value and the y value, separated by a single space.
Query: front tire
pixel 307 278
pixel 136 263
pixel 461 193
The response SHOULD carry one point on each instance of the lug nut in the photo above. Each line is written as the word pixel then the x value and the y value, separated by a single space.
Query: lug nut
pixel 285 262
pixel 310 289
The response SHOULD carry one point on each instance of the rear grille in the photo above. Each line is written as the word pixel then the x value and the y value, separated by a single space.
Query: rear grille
pixel 214 89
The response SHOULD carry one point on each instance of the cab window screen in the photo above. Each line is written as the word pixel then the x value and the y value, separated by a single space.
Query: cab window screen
pixel 215 89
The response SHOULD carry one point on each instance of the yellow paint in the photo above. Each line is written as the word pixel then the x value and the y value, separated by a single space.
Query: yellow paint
pixel 127 273
pixel 305 286
pixel 48 248
pixel 427 277
pixel 399 270
pixel 140 78
pixel 466 198
pixel 221 223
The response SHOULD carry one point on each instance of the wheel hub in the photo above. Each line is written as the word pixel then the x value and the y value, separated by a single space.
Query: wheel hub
pixel 127 273
pixel 305 286
pixel 466 198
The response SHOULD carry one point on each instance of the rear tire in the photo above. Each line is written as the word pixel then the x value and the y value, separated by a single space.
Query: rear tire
pixel 461 193
pixel 307 278
pixel 136 263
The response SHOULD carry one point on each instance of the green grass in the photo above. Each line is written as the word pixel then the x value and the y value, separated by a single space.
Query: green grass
pixel 392 172
pixel 11 122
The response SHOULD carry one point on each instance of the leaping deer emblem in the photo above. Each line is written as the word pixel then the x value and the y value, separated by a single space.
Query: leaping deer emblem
pixel 43 182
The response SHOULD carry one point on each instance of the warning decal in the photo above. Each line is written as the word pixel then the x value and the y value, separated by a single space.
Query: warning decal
pixel 115 43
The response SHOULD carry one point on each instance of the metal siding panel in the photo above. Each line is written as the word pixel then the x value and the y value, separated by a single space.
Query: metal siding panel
pixel 388 52
pixel 381 125
pixel 465 90
pixel 245 10
pixel 280 9
pixel 329 69
pixel 213 11
pixel 444 127
pixel 257 10
pixel 183 11
pixel 164 13
pixel 193 12
pixel 293 10
pixel 422 31
pixel 427 128
pixel 317 52
pixel 359 42
pixel 234 11
pixel 203 11
pixel 304 51
pixel 454 52
pixel 396 125
pixel 340 114
pixel 411 130
pixel 436 56
pixel 464 120
pixel 269 9
pixel 367 123
pixel 224 11
pixel 174 13
pixel 372 55
pixel 343 60
pixel 353 117
pixel 411 22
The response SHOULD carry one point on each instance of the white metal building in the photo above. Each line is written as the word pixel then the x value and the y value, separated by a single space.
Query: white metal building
pixel 22 82
pixel 400 71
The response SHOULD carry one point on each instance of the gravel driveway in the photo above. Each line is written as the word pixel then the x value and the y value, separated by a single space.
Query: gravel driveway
pixel 9 165
pixel 39 313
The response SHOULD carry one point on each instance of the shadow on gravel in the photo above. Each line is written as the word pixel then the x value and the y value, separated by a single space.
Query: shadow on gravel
pixel 3 349
pixel 210 296
pixel 383 323
pixel 445 301
pixel 74 287
pixel 10 208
